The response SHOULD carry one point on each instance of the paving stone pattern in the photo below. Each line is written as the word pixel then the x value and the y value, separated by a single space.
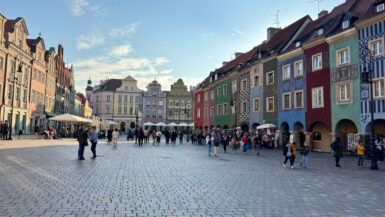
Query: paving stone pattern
pixel 182 181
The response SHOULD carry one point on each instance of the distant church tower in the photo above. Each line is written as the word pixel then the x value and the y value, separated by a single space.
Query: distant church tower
pixel 89 90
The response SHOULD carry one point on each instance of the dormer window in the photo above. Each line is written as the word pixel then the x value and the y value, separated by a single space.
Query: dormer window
pixel 320 31
pixel 259 56
pixel 216 77
pixel 298 44
pixel 380 7
pixel 345 24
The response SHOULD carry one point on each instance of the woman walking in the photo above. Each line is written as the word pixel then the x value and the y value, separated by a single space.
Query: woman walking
pixel 216 143
pixel 304 153
pixel 115 137
pixel 209 143
pixel 336 146
pixel 141 137
pixel 225 142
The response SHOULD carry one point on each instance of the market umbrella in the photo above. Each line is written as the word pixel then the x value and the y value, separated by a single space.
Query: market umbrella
pixel 183 124
pixel 112 123
pixel 148 124
pixel 71 118
pixel 191 125
pixel 173 124
pixel 160 124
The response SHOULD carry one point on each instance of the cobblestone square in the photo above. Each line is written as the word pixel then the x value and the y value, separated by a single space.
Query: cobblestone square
pixel 180 181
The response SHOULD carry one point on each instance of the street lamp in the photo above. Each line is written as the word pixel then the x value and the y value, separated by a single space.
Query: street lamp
pixel 367 79
pixel 13 93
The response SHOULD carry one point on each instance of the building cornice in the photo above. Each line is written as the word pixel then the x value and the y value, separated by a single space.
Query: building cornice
pixel 314 43
pixel 342 36
pixel 370 21
pixel 290 54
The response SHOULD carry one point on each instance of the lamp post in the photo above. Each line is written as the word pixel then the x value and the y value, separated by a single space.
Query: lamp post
pixel 367 79
pixel 13 94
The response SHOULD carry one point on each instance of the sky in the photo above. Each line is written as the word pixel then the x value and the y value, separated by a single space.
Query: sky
pixel 154 39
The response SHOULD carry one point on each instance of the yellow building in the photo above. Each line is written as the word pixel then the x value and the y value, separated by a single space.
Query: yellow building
pixel 128 104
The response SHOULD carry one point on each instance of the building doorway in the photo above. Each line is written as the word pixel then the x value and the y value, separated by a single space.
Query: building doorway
pixel 320 138
pixel 344 129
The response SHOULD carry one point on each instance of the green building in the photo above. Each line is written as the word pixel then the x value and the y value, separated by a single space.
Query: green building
pixel 345 83
pixel 222 103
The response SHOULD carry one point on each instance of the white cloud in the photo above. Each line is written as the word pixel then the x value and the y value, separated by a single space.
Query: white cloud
pixel 236 32
pixel 125 31
pixel 88 41
pixel 160 61
pixel 122 50
pixel 78 7
pixel 98 10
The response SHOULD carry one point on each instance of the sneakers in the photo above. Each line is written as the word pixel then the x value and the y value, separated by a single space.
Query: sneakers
pixel 93 157
pixel 81 158
pixel 292 167
pixel 284 165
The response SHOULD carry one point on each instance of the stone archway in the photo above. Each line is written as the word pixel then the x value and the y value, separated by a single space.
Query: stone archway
pixel 379 127
pixel 300 136
pixel 320 138
pixel 284 133
pixel 344 129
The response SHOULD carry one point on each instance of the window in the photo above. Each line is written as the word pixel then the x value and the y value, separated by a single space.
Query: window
pixel 298 99
pixel 379 88
pixel 148 103
pixel 126 88
pixel 345 24
pixel 131 98
pixel 199 113
pixel 317 61
pixel 286 101
pixel 18 94
pixel 176 115
pixel 206 114
pixel 1 62
pixel 120 98
pixel 317 97
pixel 125 110
pixel 344 93
pixel 160 102
pixel 256 105
pixel 212 95
pixel 160 113
pixel 244 107
pixel 198 98
pixel 154 102
pixel 380 7
pixel 177 103
pixel 206 96
pixel 170 103
pixel 270 78
pixel 297 44
pixel 219 109
pixel 125 98
pixel 244 85
pixel 298 68
pixel 219 91
pixel 211 111
pixel 225 109
pixel 182 103
pixel 131 111
pixel 343 56
pixel 108 98
pixel 286 72
pixel 320 31
pixel 234 86
pixel 154 113
pixel 377 47
pixel 270 104
pixel 169 114
pixel 225 90
pixel 119 110
pixel 10 91
pixel 256 80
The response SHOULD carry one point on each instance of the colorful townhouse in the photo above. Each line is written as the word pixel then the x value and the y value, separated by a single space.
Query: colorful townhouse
pixel 50 89
pixel 371 33
pixel 38 85
pixel 198 107
pixel 222 102
pixel 345 75
pixel 179 104
pixel 154 103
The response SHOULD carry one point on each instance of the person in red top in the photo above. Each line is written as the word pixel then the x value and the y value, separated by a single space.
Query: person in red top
pixel 245 141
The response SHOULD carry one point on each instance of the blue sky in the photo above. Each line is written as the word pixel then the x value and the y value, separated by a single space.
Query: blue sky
pixel 162 39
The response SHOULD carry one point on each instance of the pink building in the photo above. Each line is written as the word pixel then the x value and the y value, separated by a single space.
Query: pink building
pixel 103 99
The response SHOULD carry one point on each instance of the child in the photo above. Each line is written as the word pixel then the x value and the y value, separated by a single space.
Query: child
pixel 360 154
pixel 304 153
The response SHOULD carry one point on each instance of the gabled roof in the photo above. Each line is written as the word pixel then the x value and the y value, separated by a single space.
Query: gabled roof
pixel 9 25
pixel 81 97
pixel 129 78
pixel 32 43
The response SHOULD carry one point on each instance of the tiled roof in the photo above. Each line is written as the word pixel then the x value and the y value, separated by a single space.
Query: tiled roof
pixel 371 11
pixel 110 85
pixel 81 97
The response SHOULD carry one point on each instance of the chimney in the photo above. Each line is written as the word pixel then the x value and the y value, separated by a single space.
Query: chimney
pixel 323 13
pixel 224 63
pixel 237 54
pixel 271 32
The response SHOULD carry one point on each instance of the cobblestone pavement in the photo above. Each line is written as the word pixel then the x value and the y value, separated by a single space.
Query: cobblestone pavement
pixel 181 181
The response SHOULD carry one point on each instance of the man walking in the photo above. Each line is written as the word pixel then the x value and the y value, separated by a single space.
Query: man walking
pixel 5 130
pixel 94 141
